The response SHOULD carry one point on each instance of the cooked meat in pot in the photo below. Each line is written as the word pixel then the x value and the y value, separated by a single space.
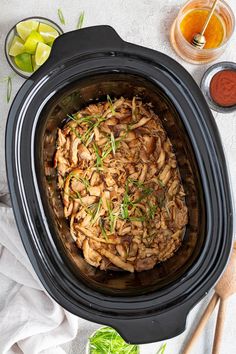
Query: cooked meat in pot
pixel 120 185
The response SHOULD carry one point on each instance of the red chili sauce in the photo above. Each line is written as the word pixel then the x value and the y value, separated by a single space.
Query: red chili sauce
pixel 223 88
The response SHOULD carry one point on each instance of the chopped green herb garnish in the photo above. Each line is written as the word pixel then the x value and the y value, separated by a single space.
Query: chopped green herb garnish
pixel 144 194
pixel 72 117
pixel 97 207
pixel 112 217
pixel 162 349
pixel 80 21
pixel 113 143
pixel 101 223
pixel 85 182
pixel 111 105
pixel 106 152
pixel 61 17
pixel 98 157
pixel 9 88
pixel 161 184
pixel 76 133
pixel 78 196
pixel 107 341
pixel 168 211
pixel 152 210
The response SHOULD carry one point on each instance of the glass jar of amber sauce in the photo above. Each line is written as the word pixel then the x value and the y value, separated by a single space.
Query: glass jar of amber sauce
pixel 191 19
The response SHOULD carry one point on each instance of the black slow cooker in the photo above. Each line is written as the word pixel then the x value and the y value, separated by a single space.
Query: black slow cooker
pixel 85 66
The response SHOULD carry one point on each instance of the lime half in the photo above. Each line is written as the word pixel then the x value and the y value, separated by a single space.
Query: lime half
pixel 17 46
pixel 42 53
pixel 23 61
pixel 48 33
pixel 24 28
pixel 31 42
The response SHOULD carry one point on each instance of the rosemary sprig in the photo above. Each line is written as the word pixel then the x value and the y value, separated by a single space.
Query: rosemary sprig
pixel 80 21
pixel 162 349
pixel 61 16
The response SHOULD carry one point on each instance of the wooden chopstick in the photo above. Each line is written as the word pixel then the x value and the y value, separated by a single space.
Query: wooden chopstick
pixel 201 324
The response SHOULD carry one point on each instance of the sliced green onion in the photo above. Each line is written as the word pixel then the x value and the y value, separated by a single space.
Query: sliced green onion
pixel 98 157
pixel 113 143
pixel 80 21
pixel 111 105
pixel 162 349
pixel 9 88
pixel 107 341
pixel 104 234
pixel 61 17
pixel 161 184
pixel 152 208
pixel 112 217
pixel 97 211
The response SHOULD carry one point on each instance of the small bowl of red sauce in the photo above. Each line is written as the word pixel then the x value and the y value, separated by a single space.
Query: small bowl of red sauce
pixel 219 87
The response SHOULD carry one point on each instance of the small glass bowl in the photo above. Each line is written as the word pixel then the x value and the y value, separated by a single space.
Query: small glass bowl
pixel 13 32
pixel 185 49
pixel 206 82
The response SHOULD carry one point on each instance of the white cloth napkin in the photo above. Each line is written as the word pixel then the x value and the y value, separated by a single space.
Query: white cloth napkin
pixel 31 322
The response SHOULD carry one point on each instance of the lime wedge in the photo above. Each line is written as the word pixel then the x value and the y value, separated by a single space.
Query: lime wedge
pixel 23 61
pixel 24 28
pixel 42 53
pixel 35 66
pixel 17 46
pixel 48 33
pixel 31 42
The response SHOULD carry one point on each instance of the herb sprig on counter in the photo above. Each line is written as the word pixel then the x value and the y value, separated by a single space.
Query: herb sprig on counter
pixel 9 88
pixel 61 16
pixel 107 340
pixel 80 20
pixel 162 349
pixel 8 80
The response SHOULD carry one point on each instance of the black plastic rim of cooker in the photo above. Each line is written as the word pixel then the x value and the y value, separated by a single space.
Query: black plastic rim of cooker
pixel 144 318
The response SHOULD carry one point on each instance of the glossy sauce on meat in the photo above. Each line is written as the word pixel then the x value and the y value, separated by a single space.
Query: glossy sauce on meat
pixel 120 185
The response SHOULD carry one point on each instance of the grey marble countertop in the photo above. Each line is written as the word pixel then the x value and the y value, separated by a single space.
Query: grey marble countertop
pixel 147 23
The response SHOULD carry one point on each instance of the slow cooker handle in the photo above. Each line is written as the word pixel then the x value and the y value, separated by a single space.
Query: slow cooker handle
pixel 149 329
pixel 85 41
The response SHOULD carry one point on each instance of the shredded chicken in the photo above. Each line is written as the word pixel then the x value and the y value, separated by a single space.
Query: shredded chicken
pixel 120 185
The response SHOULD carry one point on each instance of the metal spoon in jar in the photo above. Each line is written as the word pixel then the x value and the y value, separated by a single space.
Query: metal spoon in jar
pixel 199 40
